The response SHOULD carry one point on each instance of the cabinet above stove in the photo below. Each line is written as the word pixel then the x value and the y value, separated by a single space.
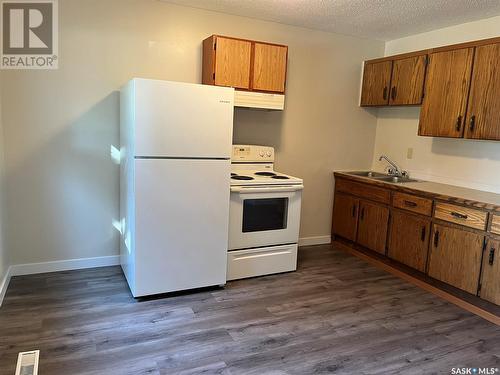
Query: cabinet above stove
pixel 257 70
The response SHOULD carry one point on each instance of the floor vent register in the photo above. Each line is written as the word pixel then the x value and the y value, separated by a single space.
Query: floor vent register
pixel 27 363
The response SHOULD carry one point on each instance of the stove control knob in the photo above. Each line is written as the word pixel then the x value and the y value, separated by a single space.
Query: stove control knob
pixel 269 154
pixel 261 153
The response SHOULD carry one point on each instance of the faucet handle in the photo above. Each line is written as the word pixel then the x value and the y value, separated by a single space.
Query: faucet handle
pixel 405 173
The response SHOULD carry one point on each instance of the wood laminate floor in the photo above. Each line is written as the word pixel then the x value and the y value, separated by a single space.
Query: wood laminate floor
pixel 336 315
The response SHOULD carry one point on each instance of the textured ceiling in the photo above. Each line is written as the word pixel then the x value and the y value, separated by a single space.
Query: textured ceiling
pixel 378 19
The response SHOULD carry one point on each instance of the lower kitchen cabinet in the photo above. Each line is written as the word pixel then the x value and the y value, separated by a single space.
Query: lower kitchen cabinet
pixel 409 239
pixel 373 225
pixel 455 257
pixel 345 216
pixel 444 240
pixel 490 277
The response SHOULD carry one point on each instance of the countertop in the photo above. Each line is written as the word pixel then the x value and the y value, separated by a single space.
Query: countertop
pixel 434 190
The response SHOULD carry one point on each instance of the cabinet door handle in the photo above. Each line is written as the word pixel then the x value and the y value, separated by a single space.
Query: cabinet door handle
pixel 354 211
pixel 436 238
pixel 459 123
pixel 491 258
pixel 385 93
pixel 410 204
pixel 393 93
pixel 458 215
pixel 424 233
pixel 472 124
pixel 363 213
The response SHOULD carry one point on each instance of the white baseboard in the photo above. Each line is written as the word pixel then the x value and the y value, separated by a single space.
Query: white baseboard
pixel 64 265
pixel 318 240
pixel 4 284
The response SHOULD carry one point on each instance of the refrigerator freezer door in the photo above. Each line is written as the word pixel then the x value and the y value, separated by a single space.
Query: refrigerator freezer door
pixel 182 213
pixel 174 119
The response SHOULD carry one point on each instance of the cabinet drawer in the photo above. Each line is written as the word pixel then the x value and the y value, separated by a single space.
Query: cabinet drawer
pixel 412 203
pixel 363 190
pixel 261 261
pixel 461 215
pixel 495 224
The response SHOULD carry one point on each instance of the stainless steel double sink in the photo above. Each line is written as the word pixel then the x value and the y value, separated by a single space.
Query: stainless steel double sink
pixel 382 177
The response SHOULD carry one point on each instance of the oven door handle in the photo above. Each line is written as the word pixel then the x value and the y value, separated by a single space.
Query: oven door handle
pixel 266 189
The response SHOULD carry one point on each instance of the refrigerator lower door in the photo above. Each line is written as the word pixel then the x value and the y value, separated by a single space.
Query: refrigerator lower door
pixel 182 213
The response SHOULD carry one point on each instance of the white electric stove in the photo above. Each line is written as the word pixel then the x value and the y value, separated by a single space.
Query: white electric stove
pixel 264 215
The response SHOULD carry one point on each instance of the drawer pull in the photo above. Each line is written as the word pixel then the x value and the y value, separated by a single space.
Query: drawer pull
pixel 491 258
pixel 261 254
pixel 363 214
pixel 458 215
pixel 436 239
pixel 424 233
pixel 410 204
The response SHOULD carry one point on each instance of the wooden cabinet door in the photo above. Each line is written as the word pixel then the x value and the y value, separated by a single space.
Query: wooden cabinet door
pixel 455 257
pixel 372 227
pixel 345 216
pixel 490 277
pixel 446 93
pixel 409 239
pixel 269 68
pixel 232 63
pixel 407 85
pixel 376 83
pixel 483 114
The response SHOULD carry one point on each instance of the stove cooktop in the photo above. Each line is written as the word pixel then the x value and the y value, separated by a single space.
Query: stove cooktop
pixel 249 177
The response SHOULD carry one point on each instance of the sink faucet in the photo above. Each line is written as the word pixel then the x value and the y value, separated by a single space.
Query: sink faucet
pixel 395 170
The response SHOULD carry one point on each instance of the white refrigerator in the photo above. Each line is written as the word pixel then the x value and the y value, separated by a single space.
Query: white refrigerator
pixel 174 184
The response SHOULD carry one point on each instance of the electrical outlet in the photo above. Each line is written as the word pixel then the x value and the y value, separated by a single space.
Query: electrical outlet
pixel 409 153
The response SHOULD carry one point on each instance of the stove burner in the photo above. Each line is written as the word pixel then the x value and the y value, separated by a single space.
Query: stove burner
pixel 265 173
pixel 241 177
pixel 281 177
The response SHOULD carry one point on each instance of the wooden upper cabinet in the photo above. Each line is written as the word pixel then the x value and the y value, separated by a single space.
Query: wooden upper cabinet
pixel 483 114
pixel 373 225
pixel 376 83
pixel 269 68
pixel 407 85
pixel 244 64
pixel 490 277
pixel 446 93
pixel 456 85
pixel 227 62
pixel 455 257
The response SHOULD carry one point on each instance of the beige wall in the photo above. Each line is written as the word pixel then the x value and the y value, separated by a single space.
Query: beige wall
pixel 467 163
pixel 3 252
pixel 62 187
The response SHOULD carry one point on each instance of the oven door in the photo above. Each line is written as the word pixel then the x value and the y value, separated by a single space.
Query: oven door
pixel 264 216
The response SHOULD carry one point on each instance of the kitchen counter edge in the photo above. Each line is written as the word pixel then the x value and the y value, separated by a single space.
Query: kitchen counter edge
pixel 434 190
